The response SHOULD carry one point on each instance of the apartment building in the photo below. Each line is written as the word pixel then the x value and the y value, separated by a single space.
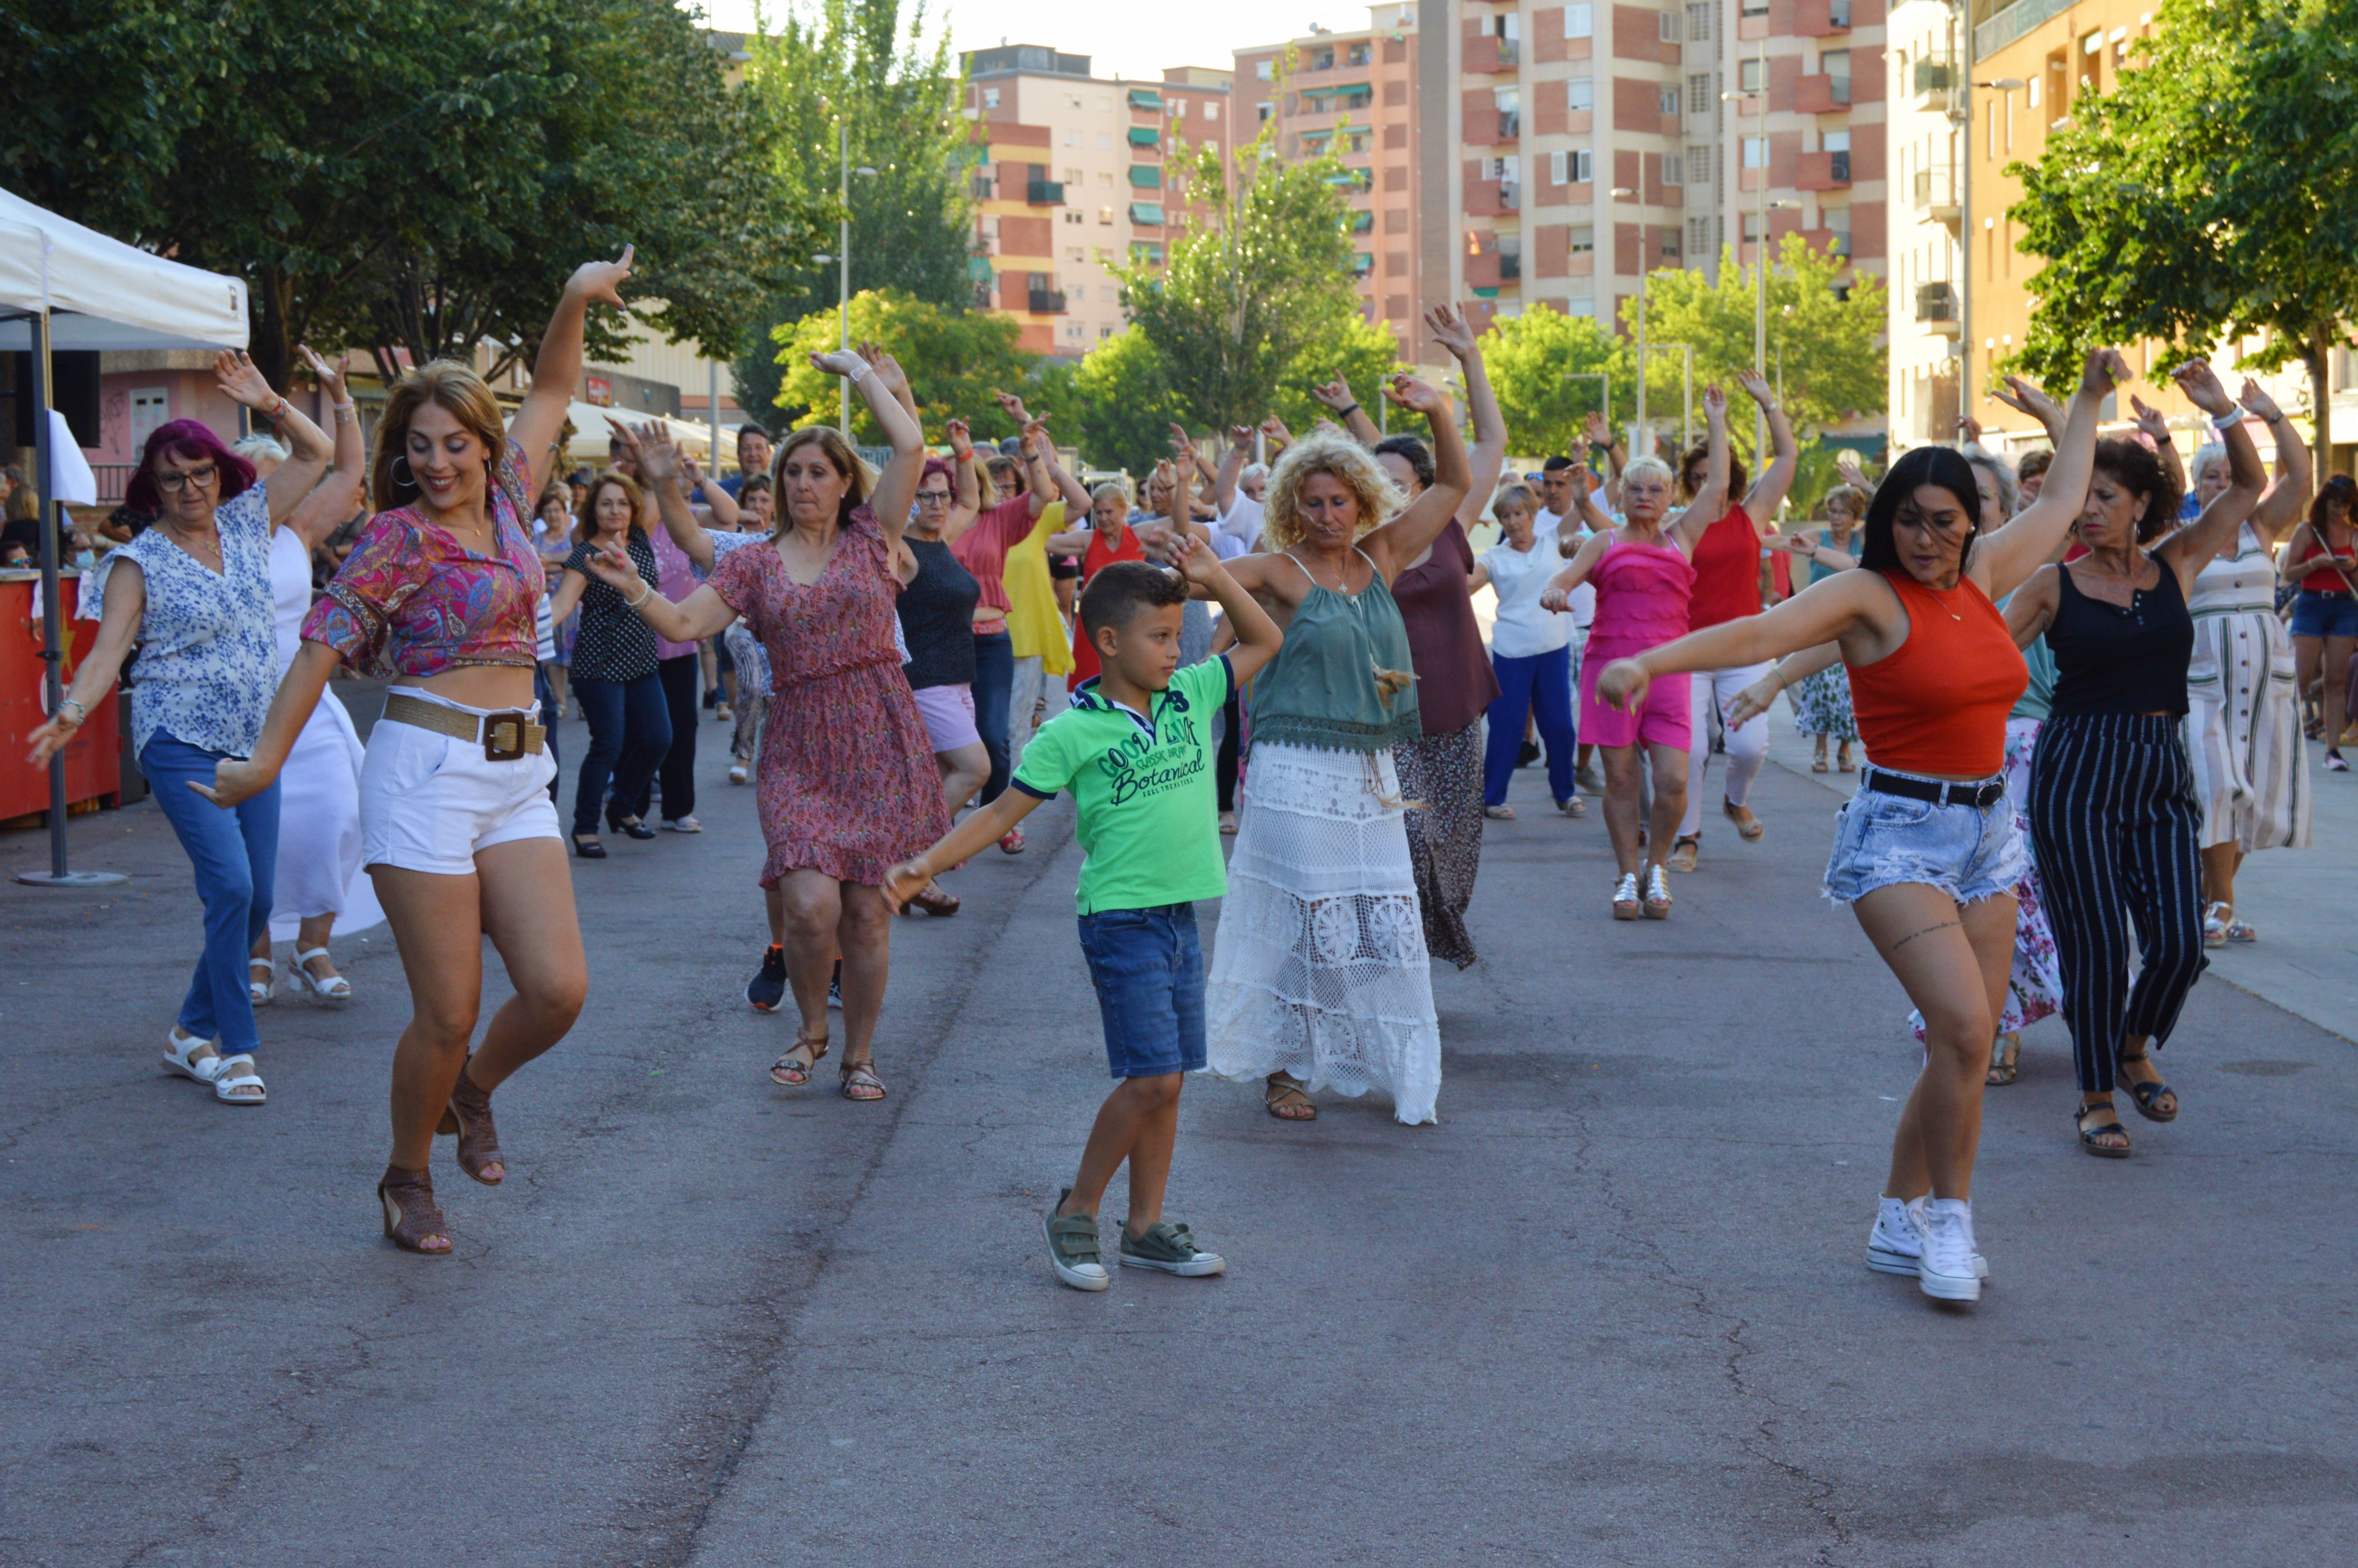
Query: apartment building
pixel 1076 178
pixel 1925 87
pixel 1354 93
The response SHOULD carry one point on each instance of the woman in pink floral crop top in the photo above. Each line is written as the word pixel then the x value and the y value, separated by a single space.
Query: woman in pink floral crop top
pixel 459 833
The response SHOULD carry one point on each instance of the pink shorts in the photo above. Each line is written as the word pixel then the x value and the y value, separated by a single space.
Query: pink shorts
pixel 948 713
pixel 1662 720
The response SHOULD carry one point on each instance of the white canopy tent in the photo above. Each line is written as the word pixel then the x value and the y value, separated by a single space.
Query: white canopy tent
pixel 592 423
pixel 66 286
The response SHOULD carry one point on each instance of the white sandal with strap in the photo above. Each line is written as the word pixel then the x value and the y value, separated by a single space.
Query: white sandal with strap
pixel 335 987
pixel 233 1076
pixel 258 992
pixel 180 1056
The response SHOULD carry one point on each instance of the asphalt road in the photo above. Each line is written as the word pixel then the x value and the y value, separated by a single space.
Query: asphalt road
pixel 1611 1310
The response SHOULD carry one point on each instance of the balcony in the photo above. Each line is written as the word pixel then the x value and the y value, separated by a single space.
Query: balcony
pixel 1936 195
pixel 1046 301
pixel 1932 85
pixel 1486 199
pixel 1822 96
pixel 1822 171
pixel 1936 308
pixel 1490 55
pixel 1043 192
pixel 1482 272
pixel 1821 19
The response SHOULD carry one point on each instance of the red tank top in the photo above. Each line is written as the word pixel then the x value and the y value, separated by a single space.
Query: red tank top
pixel 2324 579
pixel 1100 554
pixel 1938 705
pixel 1728 572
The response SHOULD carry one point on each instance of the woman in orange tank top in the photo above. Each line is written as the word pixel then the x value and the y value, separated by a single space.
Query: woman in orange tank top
pixel 1926 853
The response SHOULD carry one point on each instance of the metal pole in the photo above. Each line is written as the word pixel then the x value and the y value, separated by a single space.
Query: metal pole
pixel 843 274
pixel 1961 141
pixel 712 413
pixel 1644 445
pixel 1760 269
pixel 45 470
pixel 1686 420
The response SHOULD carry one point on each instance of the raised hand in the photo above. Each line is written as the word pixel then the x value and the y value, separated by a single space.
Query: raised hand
pixel 1183 444
pixel 1755 387
pixel 2104 370
pixel 1599 432
pixel 1196 560
pixel 1846 465
pixel 2259 403
pixel 241 381
pixel 960 437
pixel 330 377
pixel 1335 394
pixel 691 471
pixel 1013 406
pixel 601 282
pixel 658 454
pixel 887 372
pixel 2149 421
pixel 839 362
pixel 1240 437
pixel 2199 382
pixel 2025 398
pixel 1446 326
pixel 1969 430
pixel 1584 481
pixel 1274 428
pixel 1417 396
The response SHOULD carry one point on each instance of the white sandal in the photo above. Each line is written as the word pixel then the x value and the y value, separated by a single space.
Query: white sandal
pixel 233 1076
pixel 335 987
pixel 258 992
pixel 2214 925
pixel 179 1056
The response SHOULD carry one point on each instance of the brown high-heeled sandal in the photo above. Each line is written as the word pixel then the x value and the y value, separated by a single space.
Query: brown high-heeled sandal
pixel 861 1082
pixel 412 1218
pixel 933 900
pixel 469 1115
pixel 794 1073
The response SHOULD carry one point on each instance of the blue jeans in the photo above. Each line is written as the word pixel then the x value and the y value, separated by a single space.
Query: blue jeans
pixel 994 676
pixel 545 695
pixel 630 730
pixel 235 856
pixel 1542 682
pixel 1148 968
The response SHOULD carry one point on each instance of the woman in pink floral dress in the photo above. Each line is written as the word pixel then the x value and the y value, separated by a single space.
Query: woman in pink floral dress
pixel 846 783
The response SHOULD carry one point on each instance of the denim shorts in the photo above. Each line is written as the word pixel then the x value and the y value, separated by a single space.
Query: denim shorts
pixel 1148 968
pixel 2324 615
pixel 1882 839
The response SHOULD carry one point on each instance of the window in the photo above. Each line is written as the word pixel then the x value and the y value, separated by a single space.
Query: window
pixel 1265 108
pixel 1580 95
pixel 1674 169
pixel 1510 112
pixel 1105 141
pixel 1698 22
pixel 1667 241
pixel 1575 166
pixel 1667 98
pixel 1112 293
pixel 1211 114
pixel 1075 176
pixel 1075 252
pixel 1361 53
pixel 1698 236
pixel 1581 306
pixel 1071 99
pixel 1322 60
pixel 1510 256
pixel 1703 165
pixel 1747 76
pixel 1667 26
pixel 1179 107
pixel 1756 152
pixel 1698 93
pixel 1264 70
pixel 1836 64
pixel 1103 333
pixel 1579 22
pixel 1105 215
pixel 1071 214
pixel 991 97
pixel 1075 332
pixel 1583 239
pixel 1751 228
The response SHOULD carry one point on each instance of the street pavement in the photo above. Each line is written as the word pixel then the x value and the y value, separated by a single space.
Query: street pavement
pixel 1611 1310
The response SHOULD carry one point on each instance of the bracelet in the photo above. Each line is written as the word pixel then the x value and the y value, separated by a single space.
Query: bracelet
pixel 280 412
pixel 644 594
pixel 858 373
pixel 2228 421
pixel 1346 413
pixel 81 713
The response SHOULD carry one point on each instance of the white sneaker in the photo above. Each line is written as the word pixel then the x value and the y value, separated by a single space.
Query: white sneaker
pixel 1946 1270
pixel 1895 1244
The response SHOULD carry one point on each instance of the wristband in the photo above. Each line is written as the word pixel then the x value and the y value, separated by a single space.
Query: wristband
pixel 81 713
pixel 1346 413
pixel 2228 421
pixel 858 373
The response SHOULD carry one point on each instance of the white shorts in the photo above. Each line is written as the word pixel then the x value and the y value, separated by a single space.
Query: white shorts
pixel 429 802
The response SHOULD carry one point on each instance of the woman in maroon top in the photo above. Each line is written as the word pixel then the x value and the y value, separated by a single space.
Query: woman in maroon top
pixel 1443 768
pixel 1727 588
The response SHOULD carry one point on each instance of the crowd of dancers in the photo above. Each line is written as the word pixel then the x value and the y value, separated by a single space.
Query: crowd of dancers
pixel 2077 705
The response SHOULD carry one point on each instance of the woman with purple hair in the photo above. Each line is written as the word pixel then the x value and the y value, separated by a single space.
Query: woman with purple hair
pixel 192 593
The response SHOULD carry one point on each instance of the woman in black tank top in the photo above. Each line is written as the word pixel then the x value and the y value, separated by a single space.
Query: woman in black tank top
pixel 936 609
pixel 2113 812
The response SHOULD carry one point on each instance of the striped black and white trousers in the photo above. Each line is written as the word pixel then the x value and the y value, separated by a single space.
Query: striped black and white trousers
pixel 2112 819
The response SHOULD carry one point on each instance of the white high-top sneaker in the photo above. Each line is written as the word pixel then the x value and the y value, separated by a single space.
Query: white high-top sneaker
pixel 1946 1272
pixel 1896 1243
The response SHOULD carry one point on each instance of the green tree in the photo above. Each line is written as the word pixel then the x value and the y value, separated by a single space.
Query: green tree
pixel 1542 366
pixel 1829 345
pixel 912 221
pixel 1262 275
pixel 1116 405
pixel 2211 195
pixel 955 360
pixel 1361 351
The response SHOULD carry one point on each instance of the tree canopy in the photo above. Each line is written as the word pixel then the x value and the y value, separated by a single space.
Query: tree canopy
pixel 955 360
pixel 2211 195
pixel 1542 365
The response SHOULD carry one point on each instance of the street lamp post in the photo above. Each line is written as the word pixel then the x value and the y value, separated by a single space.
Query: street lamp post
pixel 842 260
pixel 1961 117
pixel 1643 446
pixel 1760 255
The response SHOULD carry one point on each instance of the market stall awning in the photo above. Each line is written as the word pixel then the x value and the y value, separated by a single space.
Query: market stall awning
pixel 592 425
pixel 103 294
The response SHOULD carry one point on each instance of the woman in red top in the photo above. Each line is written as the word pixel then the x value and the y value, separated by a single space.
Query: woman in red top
pixel 1727 588
pixel 1108 538
pixel 1926 854
pixel 2323 556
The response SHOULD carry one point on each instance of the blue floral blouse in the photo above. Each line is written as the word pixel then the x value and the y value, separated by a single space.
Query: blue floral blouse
pixel 207 661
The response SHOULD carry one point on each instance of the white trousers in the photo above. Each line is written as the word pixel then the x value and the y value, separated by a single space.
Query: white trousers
pixel 1747 744
pixel 1023 694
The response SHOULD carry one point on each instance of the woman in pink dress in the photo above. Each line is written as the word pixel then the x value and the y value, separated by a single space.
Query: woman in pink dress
pixel 846 782
pixel 1643 572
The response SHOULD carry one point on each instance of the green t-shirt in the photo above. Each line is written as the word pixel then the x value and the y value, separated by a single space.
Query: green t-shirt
pixel 1149 813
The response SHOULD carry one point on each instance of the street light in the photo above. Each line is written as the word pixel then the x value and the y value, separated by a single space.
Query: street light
pixel 1644 443
pixel 842 259
pixel 1760 315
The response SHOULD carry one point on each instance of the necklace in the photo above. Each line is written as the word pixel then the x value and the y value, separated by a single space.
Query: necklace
pixel 1944 603
pixel 1343 587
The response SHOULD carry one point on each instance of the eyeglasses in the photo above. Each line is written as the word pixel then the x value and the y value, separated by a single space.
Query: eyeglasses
pixel 933 498
pixel 201 478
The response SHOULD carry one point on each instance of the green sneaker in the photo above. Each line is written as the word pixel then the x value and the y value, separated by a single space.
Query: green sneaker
pixel 1073 1247
pixel 1169 1248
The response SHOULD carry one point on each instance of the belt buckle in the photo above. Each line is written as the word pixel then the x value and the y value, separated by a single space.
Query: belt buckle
pixel 503 737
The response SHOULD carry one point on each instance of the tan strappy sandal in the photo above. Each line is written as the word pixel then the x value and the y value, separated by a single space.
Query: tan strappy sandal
pixel 1282 1098
pixel 861 1082
pixel 789 1071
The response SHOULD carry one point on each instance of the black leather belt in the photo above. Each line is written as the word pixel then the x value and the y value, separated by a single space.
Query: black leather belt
pixel 1979 797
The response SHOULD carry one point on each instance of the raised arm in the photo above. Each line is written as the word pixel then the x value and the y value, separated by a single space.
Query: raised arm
pixel 2155 429
pixel 1035 447
pixel 2192 547
pixel 1857 609
pixel 701 614
pixel 1337 396
pixel 658 459
pixel 2285 499
pixel 336 497
pixel 2011 552
pixel 556 370
pixel 1710 503
pixel 1488 453
pixel 879 378
pixel 966 482
pixel 1767 492
pixel 1410 534
pixel 719 504
pixel 1556 595
pixel 1224 480
pixel 1256 633
pixel 308 447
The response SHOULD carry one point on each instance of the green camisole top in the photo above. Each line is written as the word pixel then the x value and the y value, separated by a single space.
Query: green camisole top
pixel 1321 689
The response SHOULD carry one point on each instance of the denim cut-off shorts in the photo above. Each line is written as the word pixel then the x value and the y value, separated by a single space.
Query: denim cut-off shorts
pixel 1882 839
pixel 1148 968
pixel 2318 614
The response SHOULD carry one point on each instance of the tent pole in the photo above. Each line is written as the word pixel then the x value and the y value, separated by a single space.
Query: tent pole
pixel 52 627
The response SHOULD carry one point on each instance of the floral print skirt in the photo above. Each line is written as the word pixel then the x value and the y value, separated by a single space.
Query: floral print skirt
pixel 1822 705
pixel 1441 777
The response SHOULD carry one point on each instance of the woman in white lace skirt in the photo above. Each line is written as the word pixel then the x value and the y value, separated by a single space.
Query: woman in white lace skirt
pixel 1319 975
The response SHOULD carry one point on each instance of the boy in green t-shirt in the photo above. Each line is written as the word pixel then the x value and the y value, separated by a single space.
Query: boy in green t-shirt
pixel 1136 750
